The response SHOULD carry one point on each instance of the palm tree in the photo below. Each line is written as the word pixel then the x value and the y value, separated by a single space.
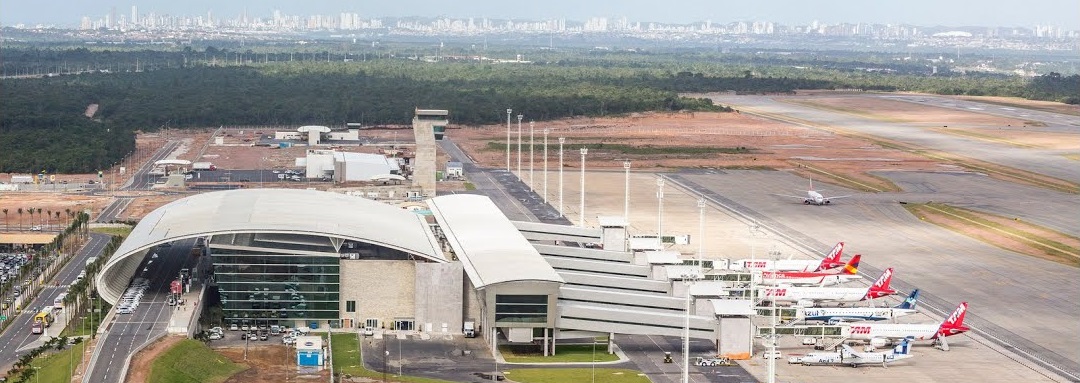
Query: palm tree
pixel 7 225
pixel 48 214
pixel 39 212
pixel 20 218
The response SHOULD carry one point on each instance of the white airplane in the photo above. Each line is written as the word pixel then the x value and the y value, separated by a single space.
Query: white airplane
pixel 848 356
pixel 813 278
pixel 834 315
pixel 811 296
pixel 831 261
pixel 814 197
pixel 881 334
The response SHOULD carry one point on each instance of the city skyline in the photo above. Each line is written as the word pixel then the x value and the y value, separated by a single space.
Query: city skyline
pixel 1056 13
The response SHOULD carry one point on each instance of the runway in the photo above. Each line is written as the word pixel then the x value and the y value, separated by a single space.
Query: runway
pixel 1042 161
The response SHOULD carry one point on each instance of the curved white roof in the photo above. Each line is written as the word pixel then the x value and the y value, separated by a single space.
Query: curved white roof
pixel 490 248
pixel 285 211
pixel 313 128
pixel 172 162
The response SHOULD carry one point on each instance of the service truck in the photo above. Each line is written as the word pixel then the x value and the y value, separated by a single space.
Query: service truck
pixel 470 329
pixel 203 166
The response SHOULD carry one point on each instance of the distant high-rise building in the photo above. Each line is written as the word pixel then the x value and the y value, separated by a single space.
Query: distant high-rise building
pixel 134 15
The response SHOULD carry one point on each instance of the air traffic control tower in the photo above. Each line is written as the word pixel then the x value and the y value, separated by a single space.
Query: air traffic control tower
pixel 429 125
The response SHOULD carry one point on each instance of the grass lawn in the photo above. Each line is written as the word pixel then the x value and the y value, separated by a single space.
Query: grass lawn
pixel 563 354
pixel 560 375
pixel 56 368
pixel 191 361
pixel 121 231
pixel 346 352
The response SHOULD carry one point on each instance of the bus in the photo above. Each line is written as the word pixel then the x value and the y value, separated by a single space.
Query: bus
pixel 58 303
pixel 42 319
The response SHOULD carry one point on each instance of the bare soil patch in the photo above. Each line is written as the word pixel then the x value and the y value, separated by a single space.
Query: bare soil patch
pixel 140 363
pixel 768 144
pixel 49 203
pixel 902 111
pixel 141 206
pixel 268 363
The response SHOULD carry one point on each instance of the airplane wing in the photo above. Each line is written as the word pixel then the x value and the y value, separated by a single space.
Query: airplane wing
pixel 785 195
pixel 838 197
pixel 851 351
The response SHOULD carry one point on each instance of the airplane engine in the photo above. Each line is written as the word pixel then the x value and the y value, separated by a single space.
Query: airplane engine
pixel 805 303
pixel 827 202
pixel 879 342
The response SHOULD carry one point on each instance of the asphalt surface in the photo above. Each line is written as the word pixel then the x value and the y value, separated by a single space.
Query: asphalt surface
pixel 142 179
pixel 1039 206
pixel 1023 304
pixel 129 332
pixel 1041 161
pixel 646 352
pixel 18 335
pixel 516 200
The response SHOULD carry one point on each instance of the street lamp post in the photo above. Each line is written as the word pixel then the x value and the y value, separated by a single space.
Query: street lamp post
pixel 626 199
pixel 701 230
pixel 755 229
pixel 581 213
pixel 660 210
pixel 562 140
pixel 508 112
pixel 546 131
pixel 532 153
pixel 519 117
pixel 689 280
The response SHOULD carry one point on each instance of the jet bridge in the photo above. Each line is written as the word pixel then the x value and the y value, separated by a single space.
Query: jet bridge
pixel 535 231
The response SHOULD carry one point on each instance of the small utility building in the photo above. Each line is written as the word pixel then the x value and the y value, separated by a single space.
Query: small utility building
pixel 309 351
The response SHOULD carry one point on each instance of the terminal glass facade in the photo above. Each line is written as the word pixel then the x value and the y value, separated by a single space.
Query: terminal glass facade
pixel 521 308
pixel 283 278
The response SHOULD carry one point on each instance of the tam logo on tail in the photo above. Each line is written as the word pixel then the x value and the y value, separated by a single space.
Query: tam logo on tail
pixel 884 280
pixel 833 259
pixel 957 317
pixel 881 286
pixel 954 324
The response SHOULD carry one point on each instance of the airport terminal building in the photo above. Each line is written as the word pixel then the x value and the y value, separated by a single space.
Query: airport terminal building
pixel 302 257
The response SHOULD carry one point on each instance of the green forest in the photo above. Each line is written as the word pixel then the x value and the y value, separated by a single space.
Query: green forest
pixel 43 126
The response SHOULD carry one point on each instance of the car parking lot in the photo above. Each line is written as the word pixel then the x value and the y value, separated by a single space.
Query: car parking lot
pixel 131 298
pixel 12 265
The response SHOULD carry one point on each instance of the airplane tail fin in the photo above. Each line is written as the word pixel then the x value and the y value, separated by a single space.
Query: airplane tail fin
pixel 881 288
pixel 904 348
pixel 852 267
pixel 811 181
pixel 833 259
pixel 954 324
pixel 911 301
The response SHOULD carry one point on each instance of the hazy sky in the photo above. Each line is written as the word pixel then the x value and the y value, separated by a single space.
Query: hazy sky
pixel 1005 13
